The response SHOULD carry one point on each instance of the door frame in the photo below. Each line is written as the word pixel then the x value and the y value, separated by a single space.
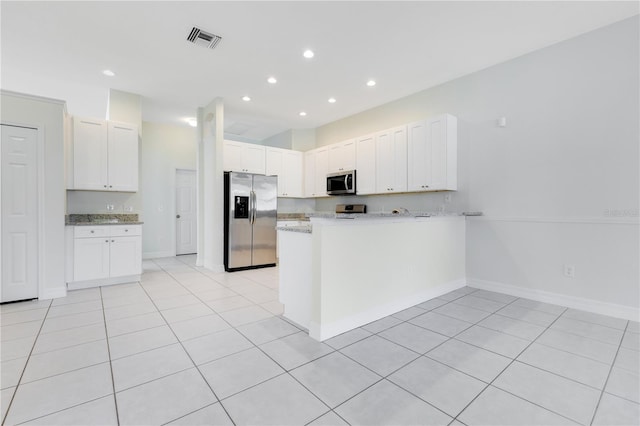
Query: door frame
pixel 174 209
pixel 40 199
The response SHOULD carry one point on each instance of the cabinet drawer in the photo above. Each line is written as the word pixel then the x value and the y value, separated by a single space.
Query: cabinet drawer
pixel 125 230
pixel 90 231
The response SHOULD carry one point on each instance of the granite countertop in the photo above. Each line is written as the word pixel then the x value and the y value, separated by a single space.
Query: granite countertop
pixel 102 219
pixel 329 215
pixel 301 217
pixel 306 229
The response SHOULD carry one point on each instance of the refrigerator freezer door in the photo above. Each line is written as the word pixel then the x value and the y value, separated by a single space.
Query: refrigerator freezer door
pixel 265 189
pixel 239 226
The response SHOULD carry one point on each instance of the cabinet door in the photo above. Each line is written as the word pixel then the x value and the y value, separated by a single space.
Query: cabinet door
pixel 321 171
pixel 90 153
pixel 90 258
pixel 342 156
pixel 366 165
pixel 274 161
pixel 432 154
pixel 292 173
pixel 310 174
pixel 232 157
pixel 349 155
pixel 442 131
pixel 126 256
pixel 418 156
pixel 123 157
pixel 253 159
pixel 391 160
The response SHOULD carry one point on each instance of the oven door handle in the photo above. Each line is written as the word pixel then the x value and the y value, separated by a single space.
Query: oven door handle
pixel 346 182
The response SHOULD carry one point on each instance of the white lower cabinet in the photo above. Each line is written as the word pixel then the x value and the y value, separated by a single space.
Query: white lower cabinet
pixel 103 255
pixel 90 258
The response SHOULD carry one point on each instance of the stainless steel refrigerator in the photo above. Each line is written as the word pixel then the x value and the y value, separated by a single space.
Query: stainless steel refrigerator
pixel 250 210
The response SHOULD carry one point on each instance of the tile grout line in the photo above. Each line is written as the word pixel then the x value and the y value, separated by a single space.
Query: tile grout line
pixel 185 350
pixel 595 411
pixel 106 335
pixel 517 396
pixel 35 341
pixel 285 371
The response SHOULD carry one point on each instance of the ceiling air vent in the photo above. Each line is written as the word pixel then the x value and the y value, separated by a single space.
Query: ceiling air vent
pixel 203 38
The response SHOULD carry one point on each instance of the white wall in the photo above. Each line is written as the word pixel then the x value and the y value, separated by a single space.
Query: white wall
pixel 553 183
pixel 165 148
pixel 49 116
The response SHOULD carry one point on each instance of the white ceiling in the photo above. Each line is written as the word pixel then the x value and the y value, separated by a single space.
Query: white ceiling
pixel 58 49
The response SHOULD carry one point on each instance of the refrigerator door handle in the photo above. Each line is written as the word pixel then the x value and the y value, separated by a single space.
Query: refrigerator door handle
pixel 252 207
pixel 255 206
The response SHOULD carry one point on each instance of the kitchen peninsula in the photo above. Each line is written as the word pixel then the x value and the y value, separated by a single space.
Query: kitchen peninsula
pixel 343 271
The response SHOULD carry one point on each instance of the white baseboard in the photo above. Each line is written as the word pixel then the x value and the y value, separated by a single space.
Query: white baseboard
pixel 52 293
pixel 216 268
pixel 589 305
pixel 77 285
pixel 326 331
pixel 158 254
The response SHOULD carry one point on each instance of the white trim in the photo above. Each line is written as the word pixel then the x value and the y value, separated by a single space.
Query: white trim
pixel 558 219
pixel 216 269
pixel 32 97
pixel 327 331
pixel 53 293
pixel 76 285
pixel 589 305
pixel 158 254
pixel 41 217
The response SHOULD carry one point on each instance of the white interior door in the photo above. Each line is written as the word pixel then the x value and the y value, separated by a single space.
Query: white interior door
pixel 19 203
pixel 186 212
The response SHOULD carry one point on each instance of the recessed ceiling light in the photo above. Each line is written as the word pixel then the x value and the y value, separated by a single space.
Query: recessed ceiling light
pixel 332 100
pixel 308 54
pixel 303 114
pixel 371 83
pixel 192 122
pixel 246 98
pixel 272 80
pixel 108 73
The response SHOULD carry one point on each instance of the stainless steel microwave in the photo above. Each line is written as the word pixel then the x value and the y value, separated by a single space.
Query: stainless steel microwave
pixel 341 183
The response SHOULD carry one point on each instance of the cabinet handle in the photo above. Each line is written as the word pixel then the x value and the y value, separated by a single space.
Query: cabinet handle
pixel 113 241
pixel 177 216
pixel 92 231
pixel 106 241
pixel 105 186
pixel 110 186
pixel 126 230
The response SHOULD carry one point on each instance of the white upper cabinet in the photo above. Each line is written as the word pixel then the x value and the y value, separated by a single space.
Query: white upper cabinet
pixel 315 172
pixel 366 165
pixel 391 160
pixel 244 157
pixel 342 156
pixel 432 154
pixel 123 157
pixel 287 165
pixel 105 155
pixel 90 152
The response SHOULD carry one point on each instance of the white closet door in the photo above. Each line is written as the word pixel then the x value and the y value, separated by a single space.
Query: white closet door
pixel 19 200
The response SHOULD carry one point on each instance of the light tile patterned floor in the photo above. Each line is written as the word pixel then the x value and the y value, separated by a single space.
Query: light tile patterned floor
pixel 187 346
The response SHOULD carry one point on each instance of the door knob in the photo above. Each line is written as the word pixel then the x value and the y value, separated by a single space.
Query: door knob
pixel 177 216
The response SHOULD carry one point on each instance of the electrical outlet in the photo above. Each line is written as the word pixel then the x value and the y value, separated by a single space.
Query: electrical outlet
pixel 447 198
pixel 569 271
